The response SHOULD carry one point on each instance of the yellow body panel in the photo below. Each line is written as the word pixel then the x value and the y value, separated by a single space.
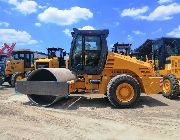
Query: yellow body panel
pixel 53 62
pixel 173 67
pixel 14 66
pixel 152 85
pixel 67 62
pixel 117 64
pixel 165 71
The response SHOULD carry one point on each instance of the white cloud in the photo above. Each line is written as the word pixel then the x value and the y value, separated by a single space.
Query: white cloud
pixel 65 17
pixel 67 32
pixel 37 24
pixel 163 12
pixel 87 28
pixel 175 32
pixel 137 32
pixel 25 6
pixel 134 12
pixel 4 24
pixel 14 2
pixel 20 37
pixel 164 1
pixel 42 7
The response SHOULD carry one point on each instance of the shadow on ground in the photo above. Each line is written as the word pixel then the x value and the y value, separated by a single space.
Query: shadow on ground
pixel 5 87
pixel 150 102
pixel 73 103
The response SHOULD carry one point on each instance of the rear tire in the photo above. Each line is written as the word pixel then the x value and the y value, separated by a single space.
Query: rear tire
pixel 9 82
pixel 1 78
pixel 123 91
pixel 15 77
pixel 27 74
pixel 170 86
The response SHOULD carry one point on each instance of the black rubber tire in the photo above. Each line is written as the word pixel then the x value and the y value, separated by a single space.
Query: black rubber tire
pixel 9 82
pixel 1 78
pixel 27 74
pixel 115 82
pixel 13 78
pixel 174 93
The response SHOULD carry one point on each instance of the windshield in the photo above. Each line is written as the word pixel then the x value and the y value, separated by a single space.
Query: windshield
pixel 172 48
pixel 163 49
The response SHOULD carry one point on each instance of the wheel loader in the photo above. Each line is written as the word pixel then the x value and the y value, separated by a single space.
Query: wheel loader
pixel 92 70
pixel 53 61
pixel 18 67
pixel 166 56
pixel 124 49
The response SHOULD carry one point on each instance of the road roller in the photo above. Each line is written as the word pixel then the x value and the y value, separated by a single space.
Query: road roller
pixel 92 69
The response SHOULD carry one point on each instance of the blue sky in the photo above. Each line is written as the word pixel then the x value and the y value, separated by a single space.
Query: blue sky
pixel 40 24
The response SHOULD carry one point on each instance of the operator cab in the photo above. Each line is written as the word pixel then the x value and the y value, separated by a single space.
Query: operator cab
pixel 26 55
pixel 123 49
pixel 59 53
pixel 164 48
pixel 88 51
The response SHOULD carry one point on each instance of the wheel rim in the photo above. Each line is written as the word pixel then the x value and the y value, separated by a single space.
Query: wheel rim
pixel 166 86
pixel 19 78
pixel 125 92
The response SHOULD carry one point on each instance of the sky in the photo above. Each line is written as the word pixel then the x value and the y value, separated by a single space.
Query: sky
pixel 39 24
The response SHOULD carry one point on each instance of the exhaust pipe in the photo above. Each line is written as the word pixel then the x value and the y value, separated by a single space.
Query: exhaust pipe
pixel 46 86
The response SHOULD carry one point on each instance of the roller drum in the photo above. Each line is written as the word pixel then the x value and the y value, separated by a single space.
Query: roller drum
pixel 46 86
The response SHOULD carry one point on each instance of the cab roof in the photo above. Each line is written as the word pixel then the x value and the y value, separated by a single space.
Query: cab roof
pixel 23 50
pixel 76 31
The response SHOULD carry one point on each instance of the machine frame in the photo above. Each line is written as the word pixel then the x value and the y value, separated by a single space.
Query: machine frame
pixel 119 77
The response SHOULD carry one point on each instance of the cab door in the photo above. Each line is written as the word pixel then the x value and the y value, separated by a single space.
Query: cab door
pixel 88 54
pixel 92 54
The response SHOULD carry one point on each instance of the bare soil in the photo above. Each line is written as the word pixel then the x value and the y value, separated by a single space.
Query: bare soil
pixel 155 117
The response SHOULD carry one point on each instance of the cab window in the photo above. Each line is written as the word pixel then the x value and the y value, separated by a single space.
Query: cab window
pixel 77 53
pixel 92 51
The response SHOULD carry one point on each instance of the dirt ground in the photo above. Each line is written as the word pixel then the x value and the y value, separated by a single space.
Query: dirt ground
pixel 155 117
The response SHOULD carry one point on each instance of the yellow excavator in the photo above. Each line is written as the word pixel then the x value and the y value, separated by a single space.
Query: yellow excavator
pixel 55 59
pixel 92 69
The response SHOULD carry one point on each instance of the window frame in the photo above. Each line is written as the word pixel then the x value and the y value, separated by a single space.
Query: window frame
pixel 102 57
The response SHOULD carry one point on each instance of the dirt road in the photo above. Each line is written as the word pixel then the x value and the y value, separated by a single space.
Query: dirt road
pixel 155 117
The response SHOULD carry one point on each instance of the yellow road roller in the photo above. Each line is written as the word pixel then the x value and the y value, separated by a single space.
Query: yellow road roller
pixel 92 69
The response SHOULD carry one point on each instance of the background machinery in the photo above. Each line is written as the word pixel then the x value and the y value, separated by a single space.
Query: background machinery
pixel 92 70
pixel 8 52
pixel 124 49
pixel 145 51
pixel 166 56
pixel 55 59
pixel 5 54
pixel 164 53
pixel 19 66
